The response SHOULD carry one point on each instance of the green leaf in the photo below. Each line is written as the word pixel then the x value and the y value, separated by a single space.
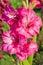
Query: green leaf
pixel 7 60
pixel 38 12
pixel 16 3
pixel 5 26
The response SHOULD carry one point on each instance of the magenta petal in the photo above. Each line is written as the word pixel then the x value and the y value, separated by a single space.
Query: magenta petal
pixel 5 18
pixel 7 38
pixel 4 47
pixel 33 48
pixel 9 14
pixel 27 25
pixel 9 8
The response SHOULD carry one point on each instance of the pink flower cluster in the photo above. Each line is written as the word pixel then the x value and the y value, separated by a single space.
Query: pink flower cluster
pixel 38 3
pixel 22 21
pixel 18 45
pixel 24 24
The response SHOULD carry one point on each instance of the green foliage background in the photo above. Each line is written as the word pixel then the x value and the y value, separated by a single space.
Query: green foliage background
pixel 38 58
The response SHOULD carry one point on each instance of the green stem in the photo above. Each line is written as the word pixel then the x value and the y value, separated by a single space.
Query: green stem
pixel 24 3
pixel 25 62
pixel 30 59
pixel 20 62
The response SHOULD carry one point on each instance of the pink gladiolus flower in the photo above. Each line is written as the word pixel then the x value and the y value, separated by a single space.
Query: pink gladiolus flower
pixel 12 42
pixel 24 24
pixel 8 43
pixel 23 21
pixel 18 46
pixel 28 24
pixel 38 3
pixel 9 15
pixel 27 50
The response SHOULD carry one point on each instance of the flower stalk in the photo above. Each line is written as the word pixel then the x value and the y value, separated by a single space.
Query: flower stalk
pixel 25 62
